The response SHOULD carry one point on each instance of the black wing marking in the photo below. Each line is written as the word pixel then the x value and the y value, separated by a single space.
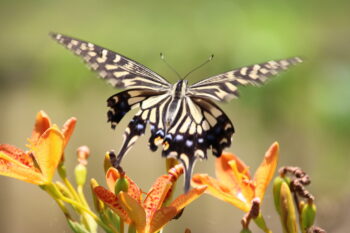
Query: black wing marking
pixel 223 87
pixel 199 125
pixel 135 129
pixel 221 129
pixel 151 111
pixel 122 102
pixel 116 69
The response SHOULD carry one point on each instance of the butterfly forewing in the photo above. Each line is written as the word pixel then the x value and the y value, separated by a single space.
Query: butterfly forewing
pixel 224 87
pixel 115 68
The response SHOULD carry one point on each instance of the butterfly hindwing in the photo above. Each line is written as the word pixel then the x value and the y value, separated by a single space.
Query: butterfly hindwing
pixel 152 110
pixel 223 87
pixel 220 131
pixel 122 102
pixel 116 69
pixel 199 126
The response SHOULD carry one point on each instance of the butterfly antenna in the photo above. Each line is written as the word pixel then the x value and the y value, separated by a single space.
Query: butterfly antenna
pixel 204 63
pixel 172 68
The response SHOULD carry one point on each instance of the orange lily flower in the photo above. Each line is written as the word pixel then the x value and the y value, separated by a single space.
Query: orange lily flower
pixel 38 165
pixel 234 183
pixel 151 214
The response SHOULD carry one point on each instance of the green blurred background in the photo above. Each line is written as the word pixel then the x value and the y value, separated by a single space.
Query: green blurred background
pixel 306 109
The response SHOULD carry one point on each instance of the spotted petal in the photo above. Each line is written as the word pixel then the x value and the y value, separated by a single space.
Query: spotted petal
pixel 162 217
pixel 113 202
pixel 157 194
pixel 135 212
pixel 13 165
pixel 17 154
pixel 185 199
pixel 165 214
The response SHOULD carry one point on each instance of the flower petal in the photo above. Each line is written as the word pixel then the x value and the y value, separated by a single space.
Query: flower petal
pixel 17 154
pixel 218 190
pixel 42 123
pixel 161 217
pixel 185 199
pixel 135 211
pixel 68 129
pixel 48 151
pixel 112 175
pixel 113 202
pixel 224 171
pixel 174 173
pixel 11 167
pixel 157 194
pixel 266 170
pixel 244 188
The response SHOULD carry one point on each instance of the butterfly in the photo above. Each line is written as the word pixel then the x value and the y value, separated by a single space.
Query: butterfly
pixel 183 118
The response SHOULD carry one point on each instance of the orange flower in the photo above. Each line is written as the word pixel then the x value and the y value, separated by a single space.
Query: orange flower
pixel 234 184
pixel 38 165
pixel 148 215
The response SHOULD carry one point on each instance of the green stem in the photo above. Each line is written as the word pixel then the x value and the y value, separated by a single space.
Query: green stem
pixel 58 197
pixel 82 195
pixel 63 174
pixel 61 205
pixel 87 210
pixel 71 188
pixel 86 218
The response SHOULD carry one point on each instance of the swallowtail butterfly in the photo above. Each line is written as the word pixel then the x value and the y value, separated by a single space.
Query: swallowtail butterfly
pixel 183 118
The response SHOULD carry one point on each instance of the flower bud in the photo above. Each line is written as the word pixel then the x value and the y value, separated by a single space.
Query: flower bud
pixel 83 153
pixel 287 210
pixel 308 214
pixel 80 174
pixel 62 172
pixel 276 192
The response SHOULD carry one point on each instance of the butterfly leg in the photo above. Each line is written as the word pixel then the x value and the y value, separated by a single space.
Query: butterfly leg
pixel 114 162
